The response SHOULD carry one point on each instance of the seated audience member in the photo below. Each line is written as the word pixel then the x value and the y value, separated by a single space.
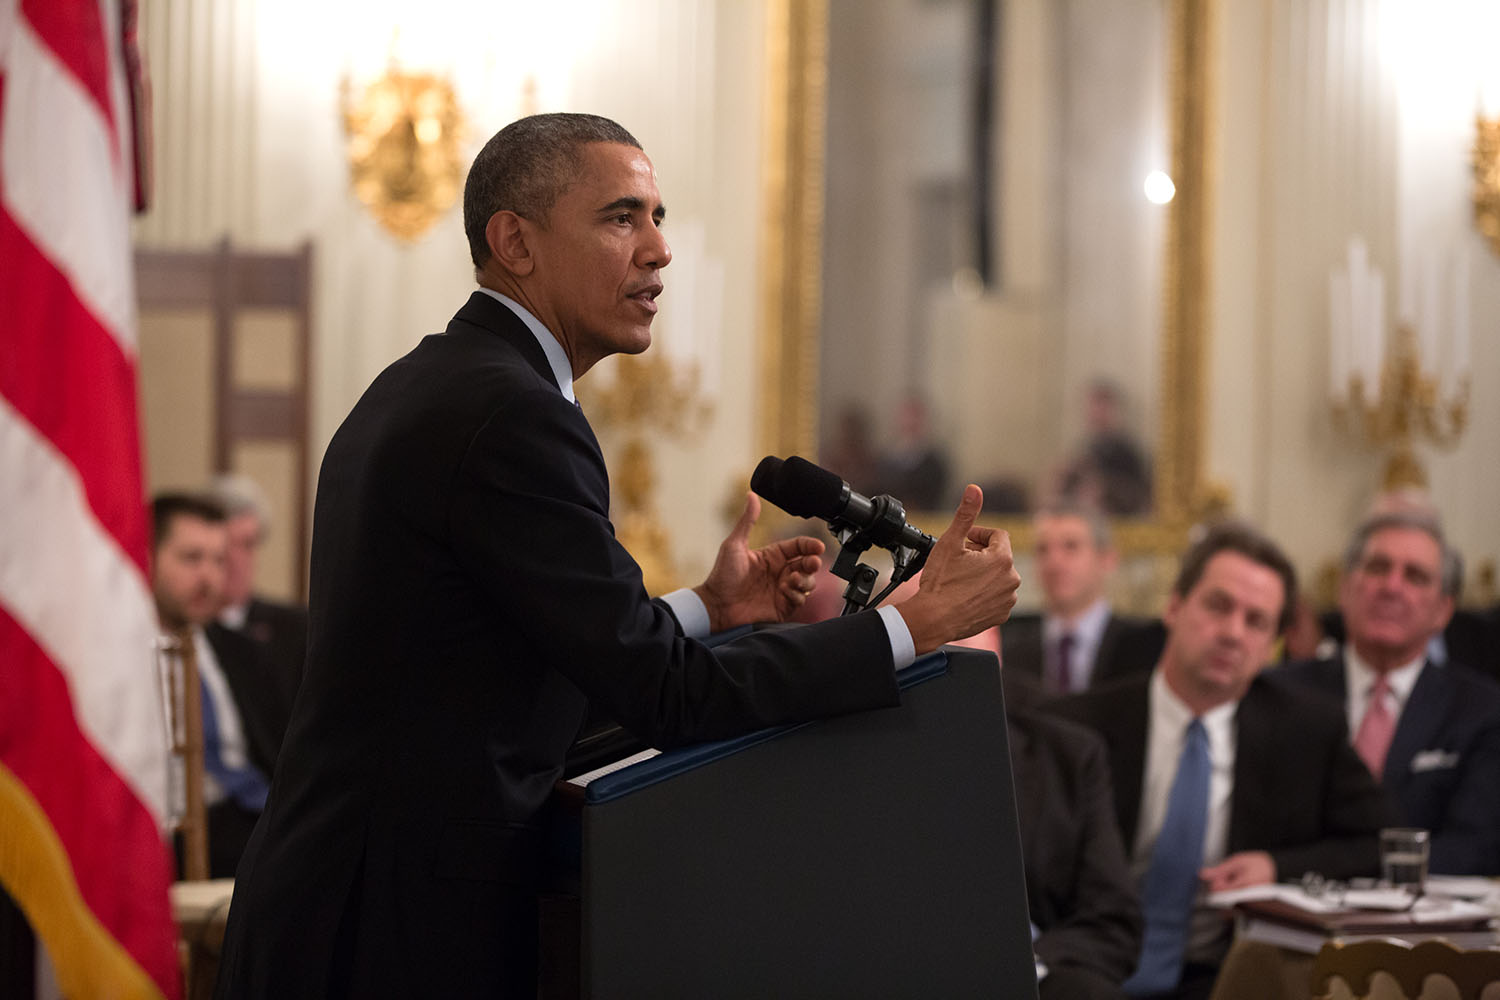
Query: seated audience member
pixel 278 631
pixel 1082 899
pixel 1471 637
pixel 849 452
pixel 1110 470
pixel 1225 777
pixel 239 743
pixel 915 470
pixel 1429 731
pixel 1077 642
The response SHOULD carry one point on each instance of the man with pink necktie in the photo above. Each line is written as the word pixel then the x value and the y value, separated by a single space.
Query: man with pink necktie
pixel 1429 732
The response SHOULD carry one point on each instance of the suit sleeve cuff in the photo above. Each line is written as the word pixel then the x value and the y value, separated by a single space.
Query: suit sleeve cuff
pixel 903 649
pixel 692 614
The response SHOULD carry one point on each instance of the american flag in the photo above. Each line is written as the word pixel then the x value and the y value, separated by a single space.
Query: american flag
pixel 83 767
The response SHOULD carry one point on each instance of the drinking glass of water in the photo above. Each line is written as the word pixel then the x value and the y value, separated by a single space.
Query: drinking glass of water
pixel 1403 858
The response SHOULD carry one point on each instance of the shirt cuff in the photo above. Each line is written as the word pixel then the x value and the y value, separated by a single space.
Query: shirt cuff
pixel 903 649
pixel 691 612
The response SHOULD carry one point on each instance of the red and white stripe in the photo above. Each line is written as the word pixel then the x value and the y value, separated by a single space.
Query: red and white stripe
pixel 83 763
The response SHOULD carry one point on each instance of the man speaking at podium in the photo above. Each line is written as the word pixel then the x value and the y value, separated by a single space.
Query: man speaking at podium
pixel 469 598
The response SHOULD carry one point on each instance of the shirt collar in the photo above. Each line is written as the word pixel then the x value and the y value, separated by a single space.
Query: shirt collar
pixel 1174 713
pixel 1086 629
pixel 1359 676
pixel 556 356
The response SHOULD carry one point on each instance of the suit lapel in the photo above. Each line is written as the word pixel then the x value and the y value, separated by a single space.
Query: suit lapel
pixel 1420 724
pixel 1130 731
pixel 493 316
pixel 1104 655
pixel 1254 766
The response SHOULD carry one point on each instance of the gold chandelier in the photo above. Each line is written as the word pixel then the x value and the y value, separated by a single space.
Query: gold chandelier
pixel 405 132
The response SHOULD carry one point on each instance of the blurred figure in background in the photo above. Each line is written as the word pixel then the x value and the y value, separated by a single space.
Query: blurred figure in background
pixel 1110 470
pixel 1077 642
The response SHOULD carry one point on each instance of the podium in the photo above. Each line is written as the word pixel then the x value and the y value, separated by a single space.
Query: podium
pixel 871 855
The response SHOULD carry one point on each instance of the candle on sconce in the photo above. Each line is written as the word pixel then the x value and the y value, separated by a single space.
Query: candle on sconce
pixel 1430 298
pixel 1340 364
pixel 1358 327
pixel 1461 314
pixel 1376 292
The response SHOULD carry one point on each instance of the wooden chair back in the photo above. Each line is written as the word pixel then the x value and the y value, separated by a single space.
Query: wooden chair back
pixel 1409 965
pixel 188 815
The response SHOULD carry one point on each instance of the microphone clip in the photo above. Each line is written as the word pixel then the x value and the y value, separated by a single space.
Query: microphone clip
pixel 883 530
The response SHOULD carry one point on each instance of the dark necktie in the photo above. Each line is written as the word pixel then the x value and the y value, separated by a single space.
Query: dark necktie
pixel 1172 879
pixel 245 785
pixel 1064 663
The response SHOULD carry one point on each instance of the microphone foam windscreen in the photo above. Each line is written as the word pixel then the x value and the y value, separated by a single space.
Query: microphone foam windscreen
pixel 763 479
pixel 807 490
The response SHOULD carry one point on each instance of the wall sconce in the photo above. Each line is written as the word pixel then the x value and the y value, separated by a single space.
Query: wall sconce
pixel 1487 178
pixel 1393 392
pixel 405 131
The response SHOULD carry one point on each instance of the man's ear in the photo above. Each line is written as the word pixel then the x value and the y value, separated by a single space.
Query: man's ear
pixel 507 235
pixel 1174 603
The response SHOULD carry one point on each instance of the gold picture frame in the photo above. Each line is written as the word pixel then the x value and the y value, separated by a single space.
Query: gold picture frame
pixel 791 251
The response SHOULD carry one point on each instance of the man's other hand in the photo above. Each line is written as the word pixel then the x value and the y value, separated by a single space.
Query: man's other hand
pixel 758 585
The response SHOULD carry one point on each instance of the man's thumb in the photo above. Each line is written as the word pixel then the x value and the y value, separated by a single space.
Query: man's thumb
pixel 967 513
pixel 748 517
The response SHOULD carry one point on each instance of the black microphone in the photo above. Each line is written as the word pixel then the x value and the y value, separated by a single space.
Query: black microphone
pixel 803 489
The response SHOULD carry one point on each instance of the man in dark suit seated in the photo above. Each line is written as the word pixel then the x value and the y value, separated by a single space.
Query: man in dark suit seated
pixel 244 717
pixel 469 600
pixel 1225 777
pixel 1083 902
pixel 1077 642
pixel 278 631
pixel 1429 731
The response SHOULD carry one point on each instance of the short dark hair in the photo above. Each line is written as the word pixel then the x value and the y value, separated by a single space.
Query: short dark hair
pixel 1241 538
pixel 525 167
pixel 1451 573
pixel 167 507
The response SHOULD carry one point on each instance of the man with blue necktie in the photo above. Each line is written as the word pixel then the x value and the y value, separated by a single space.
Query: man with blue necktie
pixel 244 716
pixel 1225 777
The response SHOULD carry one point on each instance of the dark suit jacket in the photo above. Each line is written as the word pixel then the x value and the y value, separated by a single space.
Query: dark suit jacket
pixel 264 703
pixel 1443 767
pixel 1078 882
pixel 281 629
pixel 1129 647
pixel 1300 792
pixel 468 598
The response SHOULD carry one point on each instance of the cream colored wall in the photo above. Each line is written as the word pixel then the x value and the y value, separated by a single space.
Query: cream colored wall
pixel 1314 144
pixel 249 145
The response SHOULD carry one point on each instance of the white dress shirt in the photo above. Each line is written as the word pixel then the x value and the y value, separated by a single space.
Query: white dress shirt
pixel 1087 631
pixel 1165 736
pixel 233 750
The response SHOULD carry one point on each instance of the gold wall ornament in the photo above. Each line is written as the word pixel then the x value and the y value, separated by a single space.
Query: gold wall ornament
pixel 647 395
pixel 1487 178
pixel 1407 406
pixel 405 132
